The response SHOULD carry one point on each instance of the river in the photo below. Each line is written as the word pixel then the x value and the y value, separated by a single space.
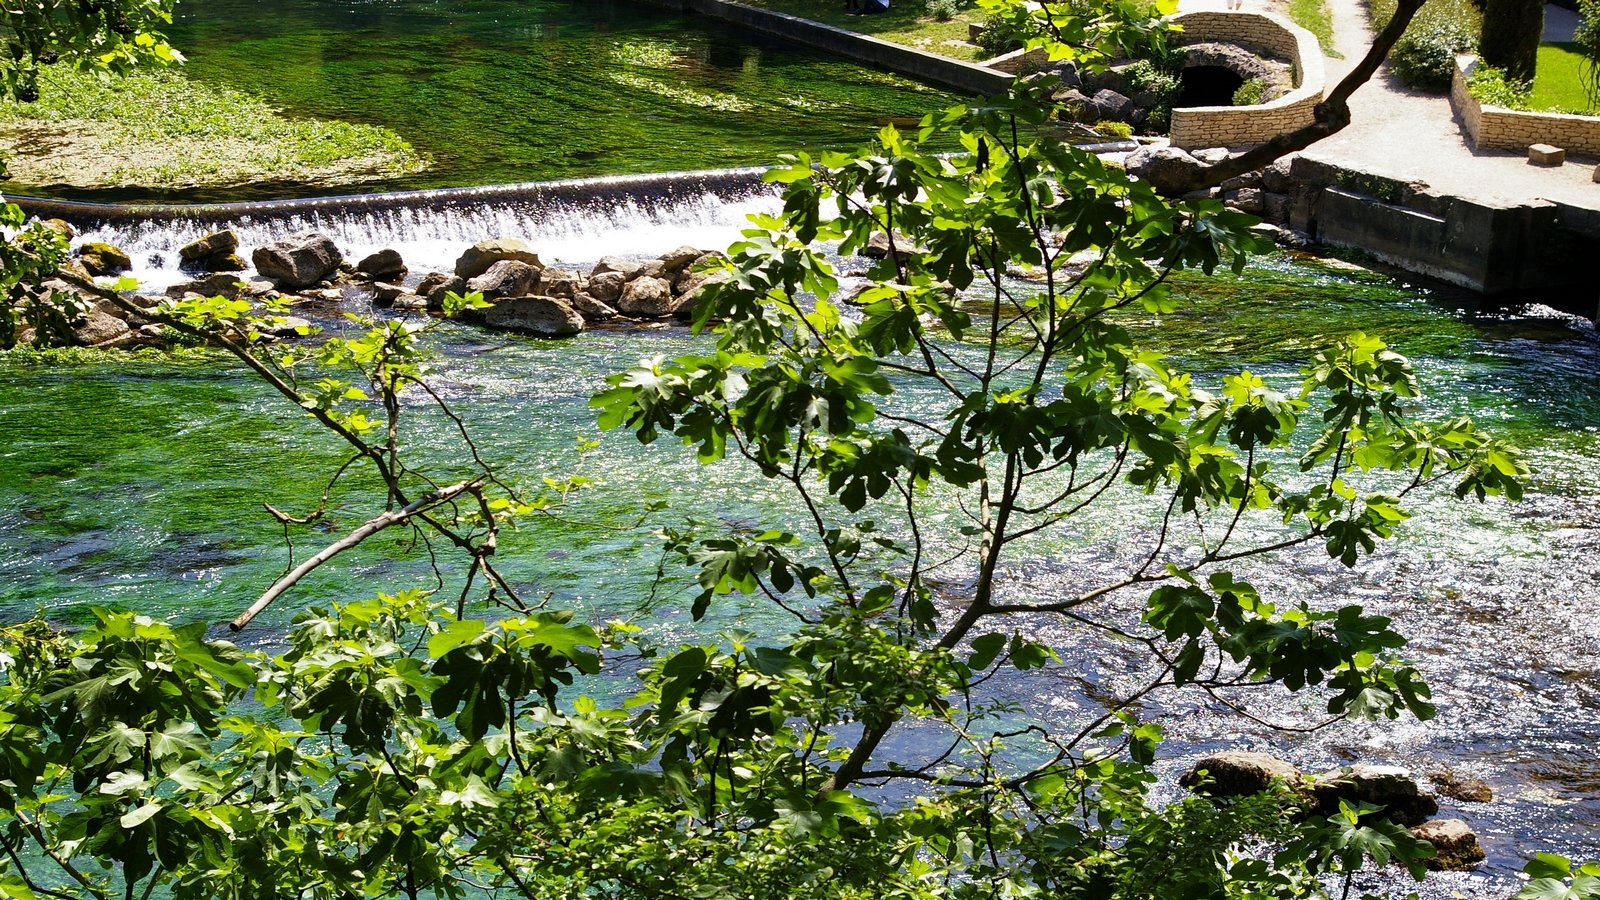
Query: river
pixel 140 482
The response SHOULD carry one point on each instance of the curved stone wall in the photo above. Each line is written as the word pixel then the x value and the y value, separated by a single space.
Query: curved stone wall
pixel 1498 128
pixel 1243 126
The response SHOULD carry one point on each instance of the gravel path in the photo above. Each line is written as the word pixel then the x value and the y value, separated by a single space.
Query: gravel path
pixel 1400 133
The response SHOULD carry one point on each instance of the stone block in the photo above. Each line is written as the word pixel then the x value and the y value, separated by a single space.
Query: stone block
pixel 1596 178
pixel 1546 155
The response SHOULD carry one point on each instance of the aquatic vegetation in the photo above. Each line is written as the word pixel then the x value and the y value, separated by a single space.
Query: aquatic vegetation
pixel 165 130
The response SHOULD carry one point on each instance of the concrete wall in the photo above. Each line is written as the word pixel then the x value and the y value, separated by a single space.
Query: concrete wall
pixel 954 74
pixel 1498 128
pixel 1494 249
pixel 1244 126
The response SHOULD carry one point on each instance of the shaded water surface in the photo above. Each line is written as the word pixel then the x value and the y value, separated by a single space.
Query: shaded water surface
pixel 140 483
pixel 500 91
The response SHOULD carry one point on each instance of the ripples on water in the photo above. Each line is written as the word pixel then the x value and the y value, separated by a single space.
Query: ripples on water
pixel 147 491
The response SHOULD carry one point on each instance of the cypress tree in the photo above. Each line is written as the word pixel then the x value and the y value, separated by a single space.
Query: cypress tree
pixel 1511 33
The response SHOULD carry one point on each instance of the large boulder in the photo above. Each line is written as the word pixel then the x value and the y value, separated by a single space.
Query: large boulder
pixel 100 259
pixel 217 243
pixel 1238 773
pixel 298 261
pixel 591 308
pixel 437 289
pixel 546 316
pixel 627 268
pixel 1245 200
pixel 693 291
pixel 385 265
pixel 1165 168
pixel 1390 787
pixel 221 284
pixel 98 328
pixel 647 298
pixel 1456 847
pixel 1112 105
pixel 607 286
pixel 562 283
pixel 480 256
pixel 675 260
pixel 506 278
pixel 1278 176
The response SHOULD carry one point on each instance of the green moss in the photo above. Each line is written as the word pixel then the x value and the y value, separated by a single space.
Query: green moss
pixel 163 129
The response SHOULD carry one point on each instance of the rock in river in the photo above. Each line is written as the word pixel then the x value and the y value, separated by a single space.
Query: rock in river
pixel 547 316
pixel 299 261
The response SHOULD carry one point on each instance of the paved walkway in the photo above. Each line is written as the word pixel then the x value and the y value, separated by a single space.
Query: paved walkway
pixel 1400 133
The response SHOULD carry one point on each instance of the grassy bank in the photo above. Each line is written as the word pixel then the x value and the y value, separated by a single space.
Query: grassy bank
pixel 1558 80
pixel 162 130
pixel 909 22
pixel 1315 17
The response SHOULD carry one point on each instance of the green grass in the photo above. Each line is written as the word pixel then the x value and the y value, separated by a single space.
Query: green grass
pixel 160 129
pixel 1315 17
pixel 1558 82
pixel 907 22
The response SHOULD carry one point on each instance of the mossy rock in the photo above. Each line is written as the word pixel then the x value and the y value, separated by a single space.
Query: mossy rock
pixel 103 259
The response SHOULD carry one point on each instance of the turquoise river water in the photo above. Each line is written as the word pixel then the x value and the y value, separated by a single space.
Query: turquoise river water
pixel 139 483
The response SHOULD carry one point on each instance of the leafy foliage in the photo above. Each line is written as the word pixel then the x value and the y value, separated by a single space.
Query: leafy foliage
pixel 407 746
pixel 1587 39
pixel 109 36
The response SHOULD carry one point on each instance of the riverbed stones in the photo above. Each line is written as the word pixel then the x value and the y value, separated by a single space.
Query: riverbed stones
pixel 592 308
pixel 477 259
pixel 384 294
pixel 448 284
pixel 545 316
pixel 100 259
pixel 1390 787
pixel 1278 176
pixel 627 268
pixel 98 328
pixel 385 265
pixel 1238 773
pixel 563 283
pixel 1461 787
pixel 676 260
pixel 298 261
pixel 215 252
pixel 1165 168
pixel 1245 200
pixel 220 284
pixel 606 286
pixel 505 278
pixel 1456 847
pixel 647 297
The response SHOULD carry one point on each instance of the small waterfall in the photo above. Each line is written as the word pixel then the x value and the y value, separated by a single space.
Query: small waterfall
pixel 568 223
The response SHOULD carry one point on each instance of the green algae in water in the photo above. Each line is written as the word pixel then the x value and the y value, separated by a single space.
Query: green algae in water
pixel 497 91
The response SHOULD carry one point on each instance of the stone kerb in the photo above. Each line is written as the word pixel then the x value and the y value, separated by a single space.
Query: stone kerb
pixel 1243 126
pixel 1498 128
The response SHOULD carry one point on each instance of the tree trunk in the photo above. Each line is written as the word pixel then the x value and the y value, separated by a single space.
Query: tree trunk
pixel 1511 33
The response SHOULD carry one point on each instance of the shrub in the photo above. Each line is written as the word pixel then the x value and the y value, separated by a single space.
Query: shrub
pixel 1510 37
pixel 1491 86
pixel 1250 93
pixel 1442 28
pixel 1000 36
pixel 1425 57
pixel 1153 77
pixel 943 10
pixel 1587 37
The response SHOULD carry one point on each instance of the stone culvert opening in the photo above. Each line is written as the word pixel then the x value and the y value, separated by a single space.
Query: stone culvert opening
pixel 1212 71
pixel 1208 86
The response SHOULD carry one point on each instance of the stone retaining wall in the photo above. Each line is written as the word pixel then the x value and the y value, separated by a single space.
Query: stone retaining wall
pixel 921 65
pixel 1498 128
pixel 1244 126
